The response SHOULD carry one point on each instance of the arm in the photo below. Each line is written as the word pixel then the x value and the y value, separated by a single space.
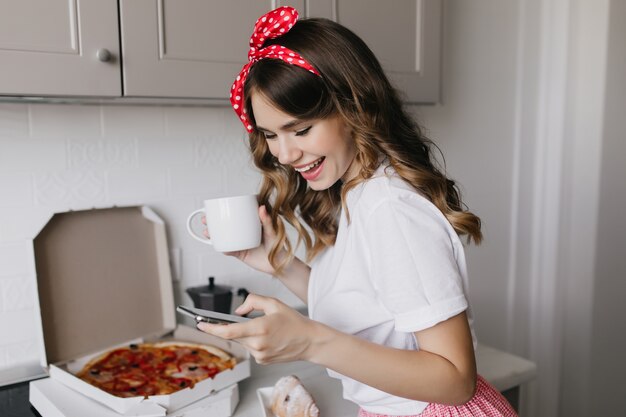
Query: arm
pixel 442 371
pixel 295 277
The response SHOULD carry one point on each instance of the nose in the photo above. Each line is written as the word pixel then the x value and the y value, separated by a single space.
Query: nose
pixel 288 152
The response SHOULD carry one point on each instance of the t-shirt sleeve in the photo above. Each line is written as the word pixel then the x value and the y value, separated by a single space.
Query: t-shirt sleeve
pixel 412 263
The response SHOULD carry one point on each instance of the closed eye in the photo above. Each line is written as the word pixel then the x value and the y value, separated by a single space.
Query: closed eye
pixel 269 135
pixel 303 131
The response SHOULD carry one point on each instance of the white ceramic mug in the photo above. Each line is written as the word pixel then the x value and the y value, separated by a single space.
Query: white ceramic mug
pixel 233 223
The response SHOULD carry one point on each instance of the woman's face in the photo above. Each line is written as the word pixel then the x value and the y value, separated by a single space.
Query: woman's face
pixel 322 151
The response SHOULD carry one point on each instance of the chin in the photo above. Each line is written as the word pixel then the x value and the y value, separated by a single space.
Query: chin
pixel 321 184
pixel 318 186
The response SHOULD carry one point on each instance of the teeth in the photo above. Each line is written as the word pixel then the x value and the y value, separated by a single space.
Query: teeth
pixel 310 166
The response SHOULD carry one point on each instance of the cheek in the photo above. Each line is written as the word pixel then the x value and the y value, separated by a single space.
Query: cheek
pixel 346 147
pixel 273 148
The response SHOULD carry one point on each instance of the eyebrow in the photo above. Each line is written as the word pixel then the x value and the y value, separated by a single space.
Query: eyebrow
pixel 286 126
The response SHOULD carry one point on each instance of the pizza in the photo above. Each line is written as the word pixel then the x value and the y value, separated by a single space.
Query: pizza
pixel 155 369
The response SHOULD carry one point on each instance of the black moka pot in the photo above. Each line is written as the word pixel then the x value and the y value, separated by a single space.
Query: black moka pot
pixel 214 297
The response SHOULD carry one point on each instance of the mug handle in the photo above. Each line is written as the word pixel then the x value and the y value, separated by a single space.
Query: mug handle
pixel 191 232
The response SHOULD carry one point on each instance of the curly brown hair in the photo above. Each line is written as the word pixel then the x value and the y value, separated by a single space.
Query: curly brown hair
pixel 354 86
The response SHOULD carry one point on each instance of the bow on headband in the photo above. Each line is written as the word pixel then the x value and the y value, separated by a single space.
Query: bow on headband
pixel 269 26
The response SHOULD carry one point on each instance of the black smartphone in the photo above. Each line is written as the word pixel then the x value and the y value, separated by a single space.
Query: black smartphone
pixel 209 316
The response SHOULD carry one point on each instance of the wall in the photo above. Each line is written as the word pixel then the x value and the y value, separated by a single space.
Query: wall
pixel 475 129
pixel 524 128
pixel 56 158
pixel 607 386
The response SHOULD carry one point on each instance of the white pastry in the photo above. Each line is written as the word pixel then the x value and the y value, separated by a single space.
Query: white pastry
pixel 291 399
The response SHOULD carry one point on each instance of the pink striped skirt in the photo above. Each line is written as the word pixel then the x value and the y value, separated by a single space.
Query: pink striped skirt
pixel 486 402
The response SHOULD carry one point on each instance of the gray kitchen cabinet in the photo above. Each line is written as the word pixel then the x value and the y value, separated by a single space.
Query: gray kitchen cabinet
pixel 405 35
pixel 187 48
pixel 190 49
pixel 50 48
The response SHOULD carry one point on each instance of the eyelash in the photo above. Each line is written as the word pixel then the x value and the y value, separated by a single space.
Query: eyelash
pixel 302 132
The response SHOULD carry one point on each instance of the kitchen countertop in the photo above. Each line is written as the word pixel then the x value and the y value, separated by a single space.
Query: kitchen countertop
pixel 503 370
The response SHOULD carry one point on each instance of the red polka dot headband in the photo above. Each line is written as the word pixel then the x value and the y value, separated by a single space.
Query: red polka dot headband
pixel 269 26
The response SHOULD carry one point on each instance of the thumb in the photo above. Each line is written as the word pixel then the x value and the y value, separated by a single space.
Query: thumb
pixel 255 302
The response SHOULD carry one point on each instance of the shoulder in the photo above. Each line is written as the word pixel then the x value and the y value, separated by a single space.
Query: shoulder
pixel 386 208
pixel 387 194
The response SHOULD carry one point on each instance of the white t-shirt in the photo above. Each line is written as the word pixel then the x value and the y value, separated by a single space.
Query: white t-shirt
pixel 398 267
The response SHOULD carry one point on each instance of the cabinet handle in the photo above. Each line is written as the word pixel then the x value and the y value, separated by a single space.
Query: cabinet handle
pixel 104 55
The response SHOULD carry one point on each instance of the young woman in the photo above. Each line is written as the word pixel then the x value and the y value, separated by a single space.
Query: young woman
pixel 385 279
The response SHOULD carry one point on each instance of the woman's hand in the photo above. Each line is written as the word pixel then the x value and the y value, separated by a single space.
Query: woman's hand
pixel 281 335
pixel 257 258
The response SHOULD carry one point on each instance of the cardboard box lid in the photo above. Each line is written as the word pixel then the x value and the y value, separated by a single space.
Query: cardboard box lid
pixel 103 278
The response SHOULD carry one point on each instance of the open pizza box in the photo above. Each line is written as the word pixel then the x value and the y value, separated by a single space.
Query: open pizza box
pixel 104 281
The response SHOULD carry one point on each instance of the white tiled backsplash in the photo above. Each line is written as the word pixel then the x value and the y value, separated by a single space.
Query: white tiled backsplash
pixel 58 157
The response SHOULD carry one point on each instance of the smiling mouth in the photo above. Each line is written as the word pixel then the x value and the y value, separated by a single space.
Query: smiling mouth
pixel 310 166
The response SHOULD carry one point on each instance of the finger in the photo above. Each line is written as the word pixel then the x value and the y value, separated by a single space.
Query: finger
pixel 226 331
pixel 203 219
pixel 244 309
pixel 256 302
pixel 266 221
